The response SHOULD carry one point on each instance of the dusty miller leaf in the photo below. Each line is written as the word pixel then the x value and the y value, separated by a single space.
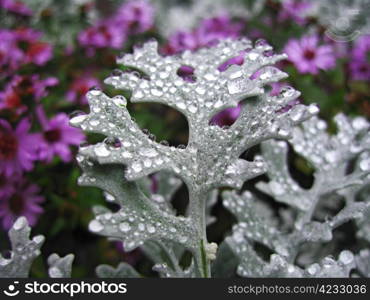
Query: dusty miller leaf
pixel 23 252
pixel 123 270
pixel 211 158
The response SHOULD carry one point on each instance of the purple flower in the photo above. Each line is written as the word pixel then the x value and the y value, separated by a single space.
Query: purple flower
pixel 295 10
pixel 40 86
pixel 181 41
pixel 131 18
pixel 209 32
pixel 17 148
pixel 57 136
pixel 186 73
pixel 237 60
pixel 6 187
pixel 217 28
pixel 22 201
pixel 136 16
pixel 16 7
pixel 105 34
pixel 360 70
pixel 21 87
pixel 11 100
pixel 226 117
pixel 360 61
pixel 308 57
pixel 22 46
pixel 35 51
pixel 79 87
pixel 11 57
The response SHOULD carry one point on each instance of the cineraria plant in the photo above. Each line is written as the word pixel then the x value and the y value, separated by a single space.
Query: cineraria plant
pixel 212 159
pixel 300 236
pixel 209 161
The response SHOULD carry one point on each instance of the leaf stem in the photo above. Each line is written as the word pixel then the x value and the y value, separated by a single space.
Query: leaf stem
pixel 197 211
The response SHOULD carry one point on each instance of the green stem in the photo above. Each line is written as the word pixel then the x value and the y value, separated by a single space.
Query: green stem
pixel 197 210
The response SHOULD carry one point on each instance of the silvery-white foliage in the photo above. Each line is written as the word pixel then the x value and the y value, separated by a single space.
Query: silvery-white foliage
pixel 331 156
pixel 209 161
pixel 123 270
pixel 24 251
pixel 169 12
pixel 363 262
pixel 60 267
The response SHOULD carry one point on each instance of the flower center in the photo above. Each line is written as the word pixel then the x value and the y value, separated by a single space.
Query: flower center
pixel 309 54
pixel 52 135
pixel 364 68
pixel 12 100
pixel 8 145
pixel 16 204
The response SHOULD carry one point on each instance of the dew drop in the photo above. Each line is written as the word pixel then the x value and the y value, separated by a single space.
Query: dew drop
pixel 158 198
pixel 150 228
pixel 124 227
pixel 346 257
pixel 95 91
pixel 101 150
pixel 95 226
pixel 193 109
pixel 156 92
pixel 116 72
pixel 136 166
pixel 20 223
pixel 55 272
pixel 119 100
pixel 200 90
pixel 94 122
pixel 149 152
pixel 77 120
pixel 109 197
pixel 164 143
pixel 113 141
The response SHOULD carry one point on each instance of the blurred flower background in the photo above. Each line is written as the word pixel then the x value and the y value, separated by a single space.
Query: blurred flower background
pixel 53 51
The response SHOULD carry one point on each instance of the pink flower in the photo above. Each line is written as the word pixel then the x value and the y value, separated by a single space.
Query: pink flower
pixel 103 35
pixel 294 10
pixel 137 16
pixel 22 201
pixel 6 187
pixel 226 117
pixel 11 100
pixel 23 87
pixel 17 148
pixel 57 136
pixel 22 46
pixel 79 87
pixel 209 32
pixel 308 57
pixel 16 6
pixel 11 57
pixel 360 70
pixel 131 18
pixel 181 41
pixel 35 51
pixel 217 28
pixel 359 60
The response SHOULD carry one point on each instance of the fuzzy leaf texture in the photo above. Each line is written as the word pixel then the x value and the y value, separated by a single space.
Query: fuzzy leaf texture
pixel 24 251
pixel 296 236
pixel 209 161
